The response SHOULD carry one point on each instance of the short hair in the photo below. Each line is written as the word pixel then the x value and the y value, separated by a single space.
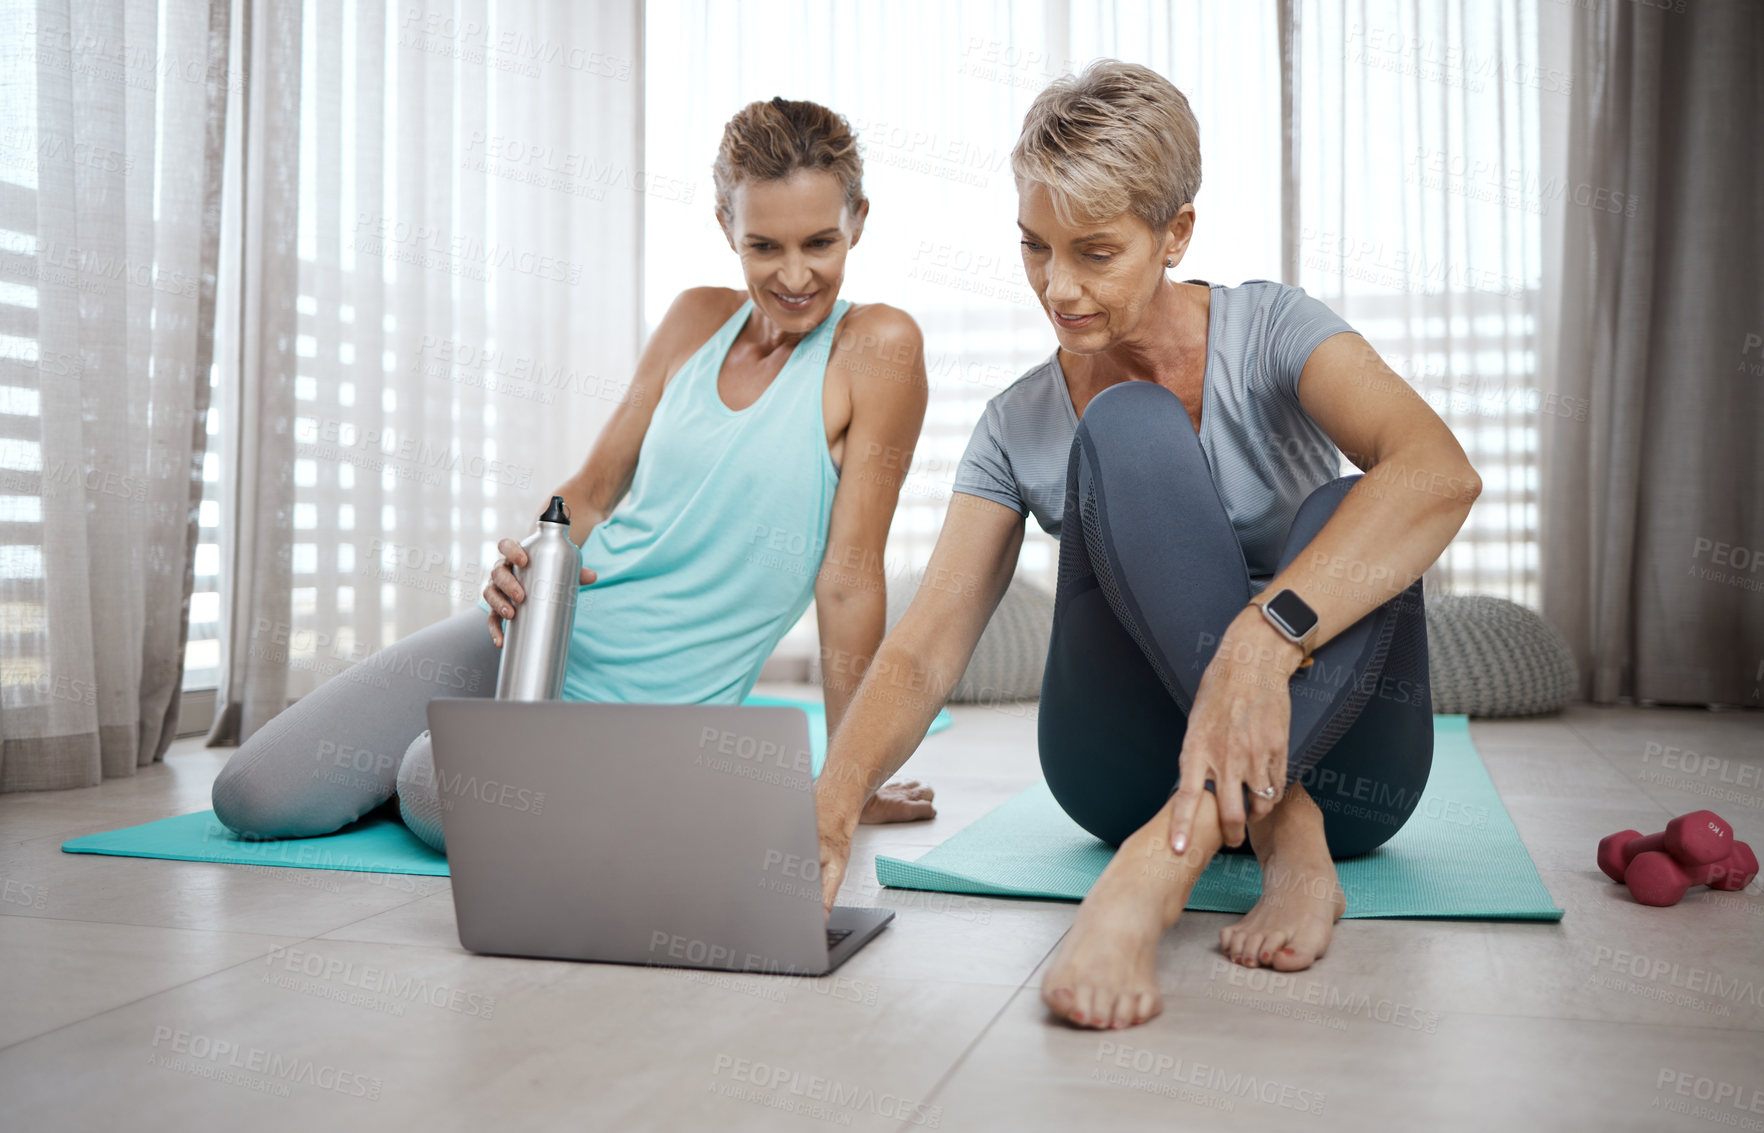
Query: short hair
pixel 1118 138
pixel 767 141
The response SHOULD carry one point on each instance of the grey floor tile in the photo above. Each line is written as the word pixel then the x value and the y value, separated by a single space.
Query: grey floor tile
pixel 400 1037
pixel 1197 1066
pixel 97 967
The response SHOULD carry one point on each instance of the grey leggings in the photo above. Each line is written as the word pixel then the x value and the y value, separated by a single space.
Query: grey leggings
pixel 344 748
pixel 1151 573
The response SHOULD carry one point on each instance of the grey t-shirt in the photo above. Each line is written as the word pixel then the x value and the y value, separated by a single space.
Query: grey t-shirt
pixel 1265 452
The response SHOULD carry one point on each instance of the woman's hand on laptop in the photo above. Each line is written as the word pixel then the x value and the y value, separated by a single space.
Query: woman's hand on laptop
pixel 834 831
pixel 504 592
pixel 899 801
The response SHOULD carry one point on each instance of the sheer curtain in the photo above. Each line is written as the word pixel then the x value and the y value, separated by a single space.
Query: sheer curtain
pixel 440 264
pixel 1415 184
pixel 112 116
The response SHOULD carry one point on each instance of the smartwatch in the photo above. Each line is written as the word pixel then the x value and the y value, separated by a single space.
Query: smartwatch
pixel 1291 617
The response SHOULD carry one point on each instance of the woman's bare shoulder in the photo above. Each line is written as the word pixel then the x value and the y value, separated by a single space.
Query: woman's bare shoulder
pixel 881 352
pixel 884 321
pixel 697 307
pixel 877 338
pixel 691 319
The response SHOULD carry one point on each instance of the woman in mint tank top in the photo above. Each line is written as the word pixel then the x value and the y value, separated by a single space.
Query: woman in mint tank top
pixel 754 467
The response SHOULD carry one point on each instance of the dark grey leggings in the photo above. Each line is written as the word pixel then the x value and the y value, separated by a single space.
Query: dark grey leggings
pixel 1151 574
pixel 345 747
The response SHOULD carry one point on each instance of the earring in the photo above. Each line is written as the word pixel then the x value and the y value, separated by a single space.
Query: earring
pixel 1169 263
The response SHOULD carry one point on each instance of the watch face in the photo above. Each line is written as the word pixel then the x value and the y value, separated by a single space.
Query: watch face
pixel 1294 612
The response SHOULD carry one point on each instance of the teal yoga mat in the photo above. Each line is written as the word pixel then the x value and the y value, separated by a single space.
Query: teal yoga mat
pixel 378 843
pixel 1457 856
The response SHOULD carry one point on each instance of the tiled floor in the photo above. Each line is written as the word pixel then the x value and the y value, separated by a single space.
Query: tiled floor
pixel 145 994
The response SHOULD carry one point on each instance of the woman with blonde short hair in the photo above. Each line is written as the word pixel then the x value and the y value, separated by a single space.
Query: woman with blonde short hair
pixel 1239 654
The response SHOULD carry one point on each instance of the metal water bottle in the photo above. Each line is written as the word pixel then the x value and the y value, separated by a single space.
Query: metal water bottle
pixel 536 641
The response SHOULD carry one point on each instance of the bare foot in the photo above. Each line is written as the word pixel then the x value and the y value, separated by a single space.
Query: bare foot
pixel 899 802
pixel 1291 925
pixel 1105 974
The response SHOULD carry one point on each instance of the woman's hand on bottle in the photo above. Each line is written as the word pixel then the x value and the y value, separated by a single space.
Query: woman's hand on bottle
pixel 504 592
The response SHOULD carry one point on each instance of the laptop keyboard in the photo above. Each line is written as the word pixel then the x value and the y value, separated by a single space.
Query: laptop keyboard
pixel 835 935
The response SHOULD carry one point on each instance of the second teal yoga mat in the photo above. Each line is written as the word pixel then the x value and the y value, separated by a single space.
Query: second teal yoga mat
pixel 817 723
pixel 378 843
pixel 1457 856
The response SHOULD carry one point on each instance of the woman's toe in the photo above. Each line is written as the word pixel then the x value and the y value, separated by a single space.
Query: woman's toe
pixel 1082 1001
pixel 1290 959
pixel 1301 951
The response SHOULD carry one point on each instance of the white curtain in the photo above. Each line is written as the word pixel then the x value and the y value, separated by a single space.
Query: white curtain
pixel 439 259
pixel 112 116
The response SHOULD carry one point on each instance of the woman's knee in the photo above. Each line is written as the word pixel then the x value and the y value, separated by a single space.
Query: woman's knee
pixel 1131 409
pixel 252 795
pixel 245 807
pixel 419 793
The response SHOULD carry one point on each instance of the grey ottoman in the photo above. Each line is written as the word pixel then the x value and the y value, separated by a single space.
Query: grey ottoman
pixel 1008 661
pixel 1486 656
pixel 1491 657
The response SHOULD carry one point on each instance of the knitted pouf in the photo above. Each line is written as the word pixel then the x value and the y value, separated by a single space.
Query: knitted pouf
pixel 1492 657
pixel 1008 661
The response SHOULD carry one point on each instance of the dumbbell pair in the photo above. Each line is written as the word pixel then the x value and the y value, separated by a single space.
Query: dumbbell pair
pixel 1694 849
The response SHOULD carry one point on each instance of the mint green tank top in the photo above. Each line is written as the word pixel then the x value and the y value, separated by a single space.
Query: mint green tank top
pixel 712 555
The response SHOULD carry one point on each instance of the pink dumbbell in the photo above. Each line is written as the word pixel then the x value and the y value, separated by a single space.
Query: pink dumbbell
pixel 1654 878
pixel 1698 838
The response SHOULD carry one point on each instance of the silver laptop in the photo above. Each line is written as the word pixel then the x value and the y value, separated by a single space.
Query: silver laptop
pixel 679 835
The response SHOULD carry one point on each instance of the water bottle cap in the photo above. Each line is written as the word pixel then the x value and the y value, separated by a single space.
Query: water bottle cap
pixel 558 512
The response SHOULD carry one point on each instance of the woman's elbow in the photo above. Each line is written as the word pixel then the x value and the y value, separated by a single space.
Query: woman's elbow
pixel 1432 481
pixel 1468 487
